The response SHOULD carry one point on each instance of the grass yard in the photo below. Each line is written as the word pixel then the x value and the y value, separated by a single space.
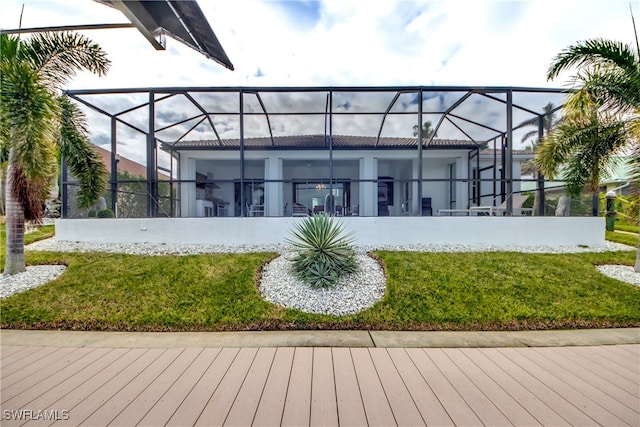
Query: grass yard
pixel 426 291
pixel 624 238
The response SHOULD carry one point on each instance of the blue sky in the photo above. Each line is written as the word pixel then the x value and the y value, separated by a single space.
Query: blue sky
pixel 342 42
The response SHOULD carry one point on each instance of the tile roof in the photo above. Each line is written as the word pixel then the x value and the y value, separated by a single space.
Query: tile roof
pixel 126 165
pixel 322 142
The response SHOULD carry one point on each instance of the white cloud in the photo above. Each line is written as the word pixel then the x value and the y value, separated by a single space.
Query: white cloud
pixel 339 42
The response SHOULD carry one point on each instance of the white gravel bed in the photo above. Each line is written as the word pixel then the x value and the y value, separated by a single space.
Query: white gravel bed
pixel 354 293
pixel 36 275
pixel 189 249
pixel 623 273
pixel 148 248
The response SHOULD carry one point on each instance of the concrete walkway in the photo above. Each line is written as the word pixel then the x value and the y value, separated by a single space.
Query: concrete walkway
pixel 387 339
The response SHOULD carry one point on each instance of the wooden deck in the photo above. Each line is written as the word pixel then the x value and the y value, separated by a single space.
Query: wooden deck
pixel 578 386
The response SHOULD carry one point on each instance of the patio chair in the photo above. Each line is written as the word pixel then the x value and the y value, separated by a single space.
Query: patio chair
pixel 518 201
pixel 256 210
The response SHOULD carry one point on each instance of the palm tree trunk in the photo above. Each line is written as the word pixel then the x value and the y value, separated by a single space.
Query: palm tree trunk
pixel 637 267
pixel 14 262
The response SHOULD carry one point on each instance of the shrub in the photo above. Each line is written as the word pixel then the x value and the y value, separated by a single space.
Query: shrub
pixel 105 213
pixel 92 213
pixel 324 252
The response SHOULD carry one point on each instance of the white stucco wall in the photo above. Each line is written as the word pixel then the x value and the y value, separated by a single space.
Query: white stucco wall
pixel 494 231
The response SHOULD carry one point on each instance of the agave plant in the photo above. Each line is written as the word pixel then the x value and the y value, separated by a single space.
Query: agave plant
pixel 324 252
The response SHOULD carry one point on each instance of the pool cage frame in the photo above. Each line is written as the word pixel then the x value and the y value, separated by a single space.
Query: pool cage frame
pixel 459 115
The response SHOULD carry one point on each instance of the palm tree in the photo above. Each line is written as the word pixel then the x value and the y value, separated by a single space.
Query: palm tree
pixel 602 116
pixel 427 132
pixel 36 123
pixel 549 121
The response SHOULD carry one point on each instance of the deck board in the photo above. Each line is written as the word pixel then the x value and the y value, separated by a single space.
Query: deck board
pixel 75 382
pixel 191 407
pixel 271 405
pixel 41 359
pixel 297 405
pixel 427 403
pixel 609 409
pixel 543 413
pixel 540 389
pixel 324 410
pixel 165 407
pixel 402 404
pixel 456 407
pixel 620 358
pixel 613 387
pixel 89 384
pixel 481 405
pixel 42 372
pixel 509 406
pixel 217 409
pixel 563 385
pixel 20 354
pixel 245 405
pixel 138 407
pixel 603 371
pixel 112 387
pixel 577 386
pixel 374 398
pixel 348 398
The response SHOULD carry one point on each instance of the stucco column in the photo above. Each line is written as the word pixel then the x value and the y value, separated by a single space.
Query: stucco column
pixel 273 190
pixel 416 202
pixel 188 189
pixel 461 188
pixel 368 189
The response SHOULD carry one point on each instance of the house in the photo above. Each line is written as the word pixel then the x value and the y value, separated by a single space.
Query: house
pixel 367 176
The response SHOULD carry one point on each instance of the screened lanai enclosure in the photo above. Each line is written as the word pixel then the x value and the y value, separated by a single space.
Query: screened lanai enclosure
pixel 287 152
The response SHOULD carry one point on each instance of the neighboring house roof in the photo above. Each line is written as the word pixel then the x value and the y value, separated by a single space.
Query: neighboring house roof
pixel 125 164
pixel 302 142
pixel 620 173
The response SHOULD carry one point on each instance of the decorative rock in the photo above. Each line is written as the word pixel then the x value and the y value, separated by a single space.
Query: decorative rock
pixel 35 276
pixel 355 292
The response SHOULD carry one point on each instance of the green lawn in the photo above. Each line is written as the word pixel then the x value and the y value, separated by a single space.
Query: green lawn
pixel 426 291
pixel 627 227
pixel 624 238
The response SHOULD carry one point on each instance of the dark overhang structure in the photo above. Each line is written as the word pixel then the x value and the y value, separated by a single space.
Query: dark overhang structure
pixel 181 20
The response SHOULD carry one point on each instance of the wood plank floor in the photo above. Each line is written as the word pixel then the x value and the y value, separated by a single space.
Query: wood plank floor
pixel 579 386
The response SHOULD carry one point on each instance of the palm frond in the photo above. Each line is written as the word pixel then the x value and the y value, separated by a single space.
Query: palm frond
pixel 57 56
pixel 582 148
pixel 32 117
pixel 83 161
pixel 594 52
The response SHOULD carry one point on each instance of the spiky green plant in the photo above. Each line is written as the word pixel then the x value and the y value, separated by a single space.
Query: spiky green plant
pixel 324 251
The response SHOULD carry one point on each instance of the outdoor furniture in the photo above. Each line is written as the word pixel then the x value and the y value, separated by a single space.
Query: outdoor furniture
pixel 256 210
pixel 518 200
pixel 299 210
